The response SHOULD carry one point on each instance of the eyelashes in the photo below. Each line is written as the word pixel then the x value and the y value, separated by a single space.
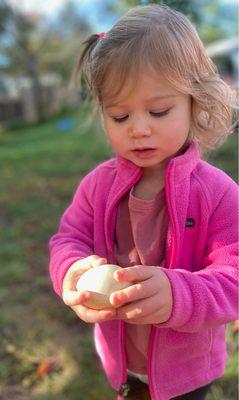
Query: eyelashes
pixel 153 114
pixel 159 114
pixel 120 119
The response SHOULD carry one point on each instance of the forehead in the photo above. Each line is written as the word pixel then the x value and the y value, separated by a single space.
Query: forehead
pixel 146 84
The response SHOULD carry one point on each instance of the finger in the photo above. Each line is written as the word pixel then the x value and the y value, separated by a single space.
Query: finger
pixel 154 318
pixel 134 274
pixel 73 298
pixel 72 277
pixel 157 317
pixel 140 308
pixel 88 262
pixel 91 261
pixel 98 261
pixel 93 316
pixel 79 268
pixel 74 273
pixel 135 292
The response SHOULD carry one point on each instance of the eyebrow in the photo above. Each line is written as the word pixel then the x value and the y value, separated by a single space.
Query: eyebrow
pixel 157 97
pixel 164 96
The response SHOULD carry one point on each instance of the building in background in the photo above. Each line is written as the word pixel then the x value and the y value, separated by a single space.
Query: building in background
pixel 17 102
pixel 224 53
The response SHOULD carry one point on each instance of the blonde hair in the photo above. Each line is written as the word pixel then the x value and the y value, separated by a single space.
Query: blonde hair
pixel 160 37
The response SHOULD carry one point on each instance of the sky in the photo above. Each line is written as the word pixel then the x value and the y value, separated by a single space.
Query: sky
pixel 45 6
pixel 48 7
pixel 89 8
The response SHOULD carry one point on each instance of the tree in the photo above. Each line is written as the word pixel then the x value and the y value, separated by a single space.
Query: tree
pixel 67 32
pixel 188 7
pixel 219 20
pixel 213 19
pixel 22 49
pixel 5 13
pixel 34 47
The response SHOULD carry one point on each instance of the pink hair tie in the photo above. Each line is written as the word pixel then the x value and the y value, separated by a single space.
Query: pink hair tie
pixel 102 35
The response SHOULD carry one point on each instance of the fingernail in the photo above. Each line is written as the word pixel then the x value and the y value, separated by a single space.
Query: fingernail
pixel 95 263
pixel 108 314
pixel 118 275
pixel 116 300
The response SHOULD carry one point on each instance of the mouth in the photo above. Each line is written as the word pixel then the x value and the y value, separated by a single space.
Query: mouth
pixel 144 152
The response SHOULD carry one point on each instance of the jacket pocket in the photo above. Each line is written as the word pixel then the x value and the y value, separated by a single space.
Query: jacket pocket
pixel 189 344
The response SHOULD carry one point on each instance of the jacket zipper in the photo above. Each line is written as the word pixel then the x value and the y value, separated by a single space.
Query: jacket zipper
pixel 150 356
pixel 153 329
pixel 123 353
pixel 171 219
pixel 122 325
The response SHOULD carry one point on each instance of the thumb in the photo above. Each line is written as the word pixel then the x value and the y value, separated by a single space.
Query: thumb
pixel 98 261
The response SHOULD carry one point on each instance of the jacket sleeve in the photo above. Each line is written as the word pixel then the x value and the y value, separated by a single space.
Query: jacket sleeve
pixel 209 297
pixel 74 239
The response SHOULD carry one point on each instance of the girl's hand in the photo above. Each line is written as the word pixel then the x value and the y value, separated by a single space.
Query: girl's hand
pixel 74 299
pixel 150 298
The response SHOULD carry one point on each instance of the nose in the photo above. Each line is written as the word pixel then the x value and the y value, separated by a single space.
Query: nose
pixel 140 127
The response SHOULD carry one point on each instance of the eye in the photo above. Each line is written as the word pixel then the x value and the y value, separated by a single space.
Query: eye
pixel 159 114
pixel 120 119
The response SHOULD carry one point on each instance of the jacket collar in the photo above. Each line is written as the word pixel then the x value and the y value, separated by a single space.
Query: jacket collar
pixel 181 165
pixel 128 174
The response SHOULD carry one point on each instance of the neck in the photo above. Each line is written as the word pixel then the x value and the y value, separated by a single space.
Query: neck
pixel 157 172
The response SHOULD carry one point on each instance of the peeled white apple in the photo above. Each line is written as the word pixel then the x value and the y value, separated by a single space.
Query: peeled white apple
pixel 101 283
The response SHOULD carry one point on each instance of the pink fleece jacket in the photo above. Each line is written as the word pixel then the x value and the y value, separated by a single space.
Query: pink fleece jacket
pixel 189 350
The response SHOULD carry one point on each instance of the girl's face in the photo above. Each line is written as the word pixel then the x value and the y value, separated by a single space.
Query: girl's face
pixel 149 124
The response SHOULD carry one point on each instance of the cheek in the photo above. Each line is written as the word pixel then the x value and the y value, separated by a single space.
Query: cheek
pixel 114 135
pixel 174 135
pixel 180 124
pixel 115 141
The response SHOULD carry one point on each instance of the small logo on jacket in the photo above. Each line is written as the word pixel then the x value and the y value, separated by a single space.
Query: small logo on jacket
pixel 190 223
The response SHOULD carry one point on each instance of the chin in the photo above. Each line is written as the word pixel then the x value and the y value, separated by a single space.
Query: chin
pixel 149 163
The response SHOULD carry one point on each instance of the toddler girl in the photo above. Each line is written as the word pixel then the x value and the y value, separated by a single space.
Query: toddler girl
pixel 156 209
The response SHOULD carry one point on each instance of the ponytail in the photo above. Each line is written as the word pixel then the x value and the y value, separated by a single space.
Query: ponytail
pixel 88 47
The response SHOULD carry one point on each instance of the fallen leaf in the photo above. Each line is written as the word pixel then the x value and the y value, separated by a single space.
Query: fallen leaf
pixel 44 368
pixel 235 327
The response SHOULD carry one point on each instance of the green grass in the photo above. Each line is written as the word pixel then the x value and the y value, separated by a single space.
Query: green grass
pixel 40 169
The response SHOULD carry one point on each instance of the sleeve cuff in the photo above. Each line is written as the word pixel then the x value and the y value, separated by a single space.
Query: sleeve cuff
pixel 182 299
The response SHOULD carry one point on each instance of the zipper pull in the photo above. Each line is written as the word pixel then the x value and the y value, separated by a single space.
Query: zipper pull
pixel 124 390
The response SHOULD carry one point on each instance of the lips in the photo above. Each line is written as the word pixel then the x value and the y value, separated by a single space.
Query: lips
pixel 143 148
pixel 144 152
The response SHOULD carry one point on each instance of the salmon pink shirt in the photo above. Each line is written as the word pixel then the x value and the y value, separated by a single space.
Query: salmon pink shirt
pixel 141 232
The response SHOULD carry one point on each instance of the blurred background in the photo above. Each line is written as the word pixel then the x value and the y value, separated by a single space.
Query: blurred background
pixel 48 141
